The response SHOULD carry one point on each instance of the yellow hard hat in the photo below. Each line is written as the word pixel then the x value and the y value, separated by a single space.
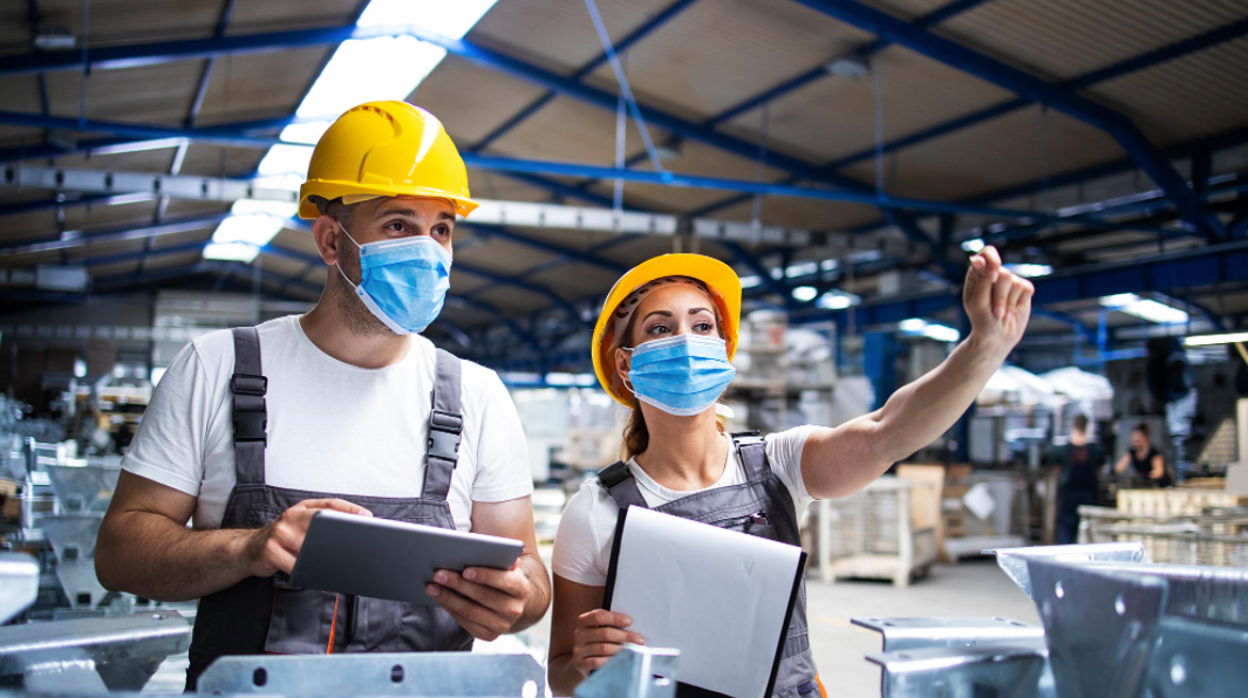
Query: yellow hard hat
pixel 385 149
pixel 720 280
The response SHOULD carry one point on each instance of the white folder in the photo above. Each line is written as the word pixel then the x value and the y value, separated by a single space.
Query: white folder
pixel 723 598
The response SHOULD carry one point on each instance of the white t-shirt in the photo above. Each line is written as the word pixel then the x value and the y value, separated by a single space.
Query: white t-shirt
pixel 332 427
pixel 586 531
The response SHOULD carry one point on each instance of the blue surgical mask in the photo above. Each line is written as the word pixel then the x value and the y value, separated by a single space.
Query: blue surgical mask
pixel 403 281
pixel 682 375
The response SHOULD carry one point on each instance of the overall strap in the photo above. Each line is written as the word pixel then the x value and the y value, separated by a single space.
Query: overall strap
pixel 753 451
pixel 446 426
pixel 621 485
pixel 248 386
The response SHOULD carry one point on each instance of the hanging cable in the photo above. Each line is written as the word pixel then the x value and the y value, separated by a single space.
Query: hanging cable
pixel 879 128
pixel 1045 200
pixel 86 65
pixel 760 163
pixel 625 90
pixel 621 137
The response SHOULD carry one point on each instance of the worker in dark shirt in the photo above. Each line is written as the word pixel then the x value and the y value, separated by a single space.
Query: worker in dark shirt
pixel 1145 460
pixel 1079 461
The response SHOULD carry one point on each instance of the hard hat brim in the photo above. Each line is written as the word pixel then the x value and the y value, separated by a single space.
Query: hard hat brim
pixel 333 189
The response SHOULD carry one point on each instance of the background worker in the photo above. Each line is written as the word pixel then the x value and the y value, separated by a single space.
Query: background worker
pixel 1145 460
pixel 253 431
pixel 1079 485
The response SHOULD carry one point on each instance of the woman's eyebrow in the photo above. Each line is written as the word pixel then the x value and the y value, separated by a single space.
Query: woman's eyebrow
pixel 664 313
pixel 695 311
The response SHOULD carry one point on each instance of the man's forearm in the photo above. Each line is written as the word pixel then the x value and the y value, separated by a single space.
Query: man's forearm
pixel 153 557
pixel 918 413
pixel 535 606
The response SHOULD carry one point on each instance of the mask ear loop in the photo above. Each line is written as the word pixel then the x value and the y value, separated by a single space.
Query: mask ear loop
pixel 623 378
pixel 339 266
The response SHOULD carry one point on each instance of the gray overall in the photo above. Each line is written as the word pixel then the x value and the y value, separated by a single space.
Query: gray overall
pixel 762 507
pixel 266 614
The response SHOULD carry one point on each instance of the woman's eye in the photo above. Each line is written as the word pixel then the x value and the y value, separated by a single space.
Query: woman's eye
pixel 658 329
pixel 703 327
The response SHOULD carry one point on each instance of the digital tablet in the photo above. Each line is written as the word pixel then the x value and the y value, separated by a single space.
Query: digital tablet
pixel 385 559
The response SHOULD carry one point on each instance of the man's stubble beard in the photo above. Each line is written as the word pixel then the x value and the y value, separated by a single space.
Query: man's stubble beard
pixel 360 320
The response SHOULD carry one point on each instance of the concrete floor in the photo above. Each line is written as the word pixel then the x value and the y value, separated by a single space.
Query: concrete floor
pixel 974 587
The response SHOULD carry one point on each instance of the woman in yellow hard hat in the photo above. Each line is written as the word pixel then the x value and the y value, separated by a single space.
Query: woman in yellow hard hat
pixel 663 347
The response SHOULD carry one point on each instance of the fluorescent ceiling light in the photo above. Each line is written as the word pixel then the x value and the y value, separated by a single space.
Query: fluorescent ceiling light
pixel 941 333
pixel 750 281
pixel 231 251
pixel 837 300
pixel 931 330
pixel 1146 308
pixel 801 269
pixel 388 67
pixel 973 245
pixel 830 264
pixel 1030 271
pixel 804 294
pixel 450 19
pixel 304 132
pixel 1214 339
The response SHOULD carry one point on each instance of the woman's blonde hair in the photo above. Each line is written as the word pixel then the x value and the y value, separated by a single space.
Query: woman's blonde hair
pixel 636 433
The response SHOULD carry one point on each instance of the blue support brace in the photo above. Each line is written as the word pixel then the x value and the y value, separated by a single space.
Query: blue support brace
pixel 879 365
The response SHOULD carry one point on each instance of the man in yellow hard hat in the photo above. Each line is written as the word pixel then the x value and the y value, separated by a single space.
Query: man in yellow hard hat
pixel 351 410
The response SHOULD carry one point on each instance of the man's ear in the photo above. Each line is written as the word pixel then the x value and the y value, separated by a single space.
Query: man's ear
pixel 325 233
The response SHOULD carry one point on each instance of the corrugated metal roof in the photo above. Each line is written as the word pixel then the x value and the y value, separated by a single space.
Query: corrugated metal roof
pixel 1197 95
pixel 254 86
pixel 471 101
pixel 717 54
pixel 155 94
pixel 1061 39
pixel 835 116
pixel 117 22
pixel 558 34
pixel 1002 152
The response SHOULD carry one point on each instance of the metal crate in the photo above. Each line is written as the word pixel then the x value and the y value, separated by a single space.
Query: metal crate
pixel 872 533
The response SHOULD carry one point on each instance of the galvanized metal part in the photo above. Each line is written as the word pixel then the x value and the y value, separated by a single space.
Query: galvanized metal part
pixel 1014 560
pixel 636 672
pixel 72 535
pixel 124 651
pixel 987 672
pixel 1211 593
pixel 80 584
pixel 953 633
pixel 1198 659
pixel 1101 627
pixel 19 584
pixel 83 488
pixel 386 674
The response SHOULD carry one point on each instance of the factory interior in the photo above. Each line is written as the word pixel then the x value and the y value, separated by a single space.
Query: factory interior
pixel 972 370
